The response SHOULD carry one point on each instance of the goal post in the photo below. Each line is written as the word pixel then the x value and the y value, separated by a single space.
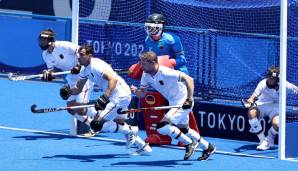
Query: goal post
pixel 283 75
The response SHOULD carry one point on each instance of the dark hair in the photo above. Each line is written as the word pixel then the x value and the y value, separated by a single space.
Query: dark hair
pixel 88 48
pixel 272 81
pixel 273 71
pixel 48 34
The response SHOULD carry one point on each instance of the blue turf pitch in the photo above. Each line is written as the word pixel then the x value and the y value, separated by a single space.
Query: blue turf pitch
pixel 40 142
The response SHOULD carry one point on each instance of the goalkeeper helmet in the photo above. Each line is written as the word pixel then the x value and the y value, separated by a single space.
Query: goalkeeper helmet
pixel 154 24
pixel 45 38
pixel 272 81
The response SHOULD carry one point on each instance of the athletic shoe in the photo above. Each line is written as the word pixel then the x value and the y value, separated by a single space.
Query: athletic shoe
pixel 265 145
pixel 190 149
pixel 208 152
pixel 90 133
pixel 145 150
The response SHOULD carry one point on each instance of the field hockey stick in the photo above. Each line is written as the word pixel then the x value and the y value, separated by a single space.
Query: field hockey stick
pixel 14 77
pixel 122 71
pixel 34 108
pixel 246 104
pixel 120 111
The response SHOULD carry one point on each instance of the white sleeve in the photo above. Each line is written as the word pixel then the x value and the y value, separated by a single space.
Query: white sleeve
pixel 73 48
pixel 83 74
pixel 50 64
pixel 144 81
pixel 293 88
pixel 173 75
pixel 260 88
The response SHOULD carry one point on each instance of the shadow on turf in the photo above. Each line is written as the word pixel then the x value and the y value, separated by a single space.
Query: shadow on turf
pixel 251 147
pixel 88 158
pixel 161 163
pixel 42 135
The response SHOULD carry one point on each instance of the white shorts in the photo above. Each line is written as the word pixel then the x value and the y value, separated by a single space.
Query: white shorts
pixel 270 110
pixel 110 112
pixel 178 116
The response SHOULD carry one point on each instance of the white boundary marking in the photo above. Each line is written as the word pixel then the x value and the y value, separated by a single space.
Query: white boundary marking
pixel 57 133
pixel 115 140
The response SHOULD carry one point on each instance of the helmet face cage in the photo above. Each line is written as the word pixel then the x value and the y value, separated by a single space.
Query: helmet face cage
pixel 272 81
pixel 45 38
pixel 154 24
pixel 153 29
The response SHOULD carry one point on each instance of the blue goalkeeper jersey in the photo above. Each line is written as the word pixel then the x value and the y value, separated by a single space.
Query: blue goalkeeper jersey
pixel 169 44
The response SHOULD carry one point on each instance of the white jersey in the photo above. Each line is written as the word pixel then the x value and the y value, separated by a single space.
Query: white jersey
pixel 266 95
pixel 94 72
pixel 64 56
pixel 167 82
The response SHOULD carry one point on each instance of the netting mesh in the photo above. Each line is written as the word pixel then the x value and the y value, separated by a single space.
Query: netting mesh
pixel 228 46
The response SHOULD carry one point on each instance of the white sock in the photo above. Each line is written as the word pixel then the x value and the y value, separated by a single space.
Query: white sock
pixel 174 132
pixel 110 126
pixel 193 134
pixel 197 137
pixel 91 112
pixel 139 142
pixel 125 129
pixel 256 127
pixel 83 118
pixel 261 136
pixel 204 144
pixel 271 135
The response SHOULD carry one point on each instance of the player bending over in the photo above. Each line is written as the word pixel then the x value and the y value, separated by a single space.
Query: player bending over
pixel 177 88
pixel 63 55
pixel 116 95
pixel 264 102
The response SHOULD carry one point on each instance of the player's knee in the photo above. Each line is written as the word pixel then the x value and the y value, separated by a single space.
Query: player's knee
pixel 161 124
pixel 96 125
pixel 163 128
pixel 72 112
pixel 184 130
pixel 253 112
pixel 275 122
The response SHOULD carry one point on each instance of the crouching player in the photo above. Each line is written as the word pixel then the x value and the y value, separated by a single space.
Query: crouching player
pixel 63 55
pixel 177 88
pixel 116 95
pixel 264 102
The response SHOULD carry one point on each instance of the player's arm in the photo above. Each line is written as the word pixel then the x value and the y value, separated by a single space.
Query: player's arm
pixel 259 89
pixel 103 100
pixel 189 84
pixel 139 92
pixel 251 100
pixel 177 48
pixel 112 82
pixel 79 86
pixel 66 91
pixel 292 87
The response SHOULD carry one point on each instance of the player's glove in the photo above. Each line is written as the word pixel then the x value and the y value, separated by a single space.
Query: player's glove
pixel 247 103
pixel 187 104
pixel 47 75
pixel 76 69
pixel 101 103
pixel 65 92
